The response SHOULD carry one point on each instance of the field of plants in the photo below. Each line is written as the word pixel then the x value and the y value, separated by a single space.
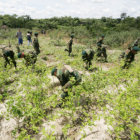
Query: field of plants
pixel 105 106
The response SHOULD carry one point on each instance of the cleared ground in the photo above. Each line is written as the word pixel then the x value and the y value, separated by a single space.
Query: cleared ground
pixel 96 109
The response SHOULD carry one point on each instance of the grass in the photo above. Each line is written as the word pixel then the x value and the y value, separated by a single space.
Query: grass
pixel 28 95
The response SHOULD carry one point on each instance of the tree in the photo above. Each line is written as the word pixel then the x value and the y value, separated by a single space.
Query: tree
pixel 123 16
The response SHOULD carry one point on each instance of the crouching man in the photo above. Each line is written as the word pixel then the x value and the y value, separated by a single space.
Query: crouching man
pixel 9 54
pixel 30 57
pixel 130 56
pixel 87 56
pixel 67 77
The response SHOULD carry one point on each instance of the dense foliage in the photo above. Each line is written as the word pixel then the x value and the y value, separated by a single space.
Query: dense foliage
pixel 111 93
pixel 94 26
pixel 119 32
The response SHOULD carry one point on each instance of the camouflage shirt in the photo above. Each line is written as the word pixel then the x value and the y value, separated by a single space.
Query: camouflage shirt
pixel 7 52
pixel 100 42
pixel 70 43
pixel 36 43
pixel 30 58
pixel 88 54
pixel 64 76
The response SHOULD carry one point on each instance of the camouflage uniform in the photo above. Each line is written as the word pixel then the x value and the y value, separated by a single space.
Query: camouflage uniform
pixel 130 56
pixel 36 45
pixel 30 58
pixel 10 54
pixel 123 54
pixel 87 56
pixel 64 77
pixel 70 43
pixel 101 50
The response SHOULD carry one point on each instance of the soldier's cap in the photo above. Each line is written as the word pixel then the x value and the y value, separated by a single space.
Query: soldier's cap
pixel 102 35
pixel 36 33
pixel 53 70
pixel 72 36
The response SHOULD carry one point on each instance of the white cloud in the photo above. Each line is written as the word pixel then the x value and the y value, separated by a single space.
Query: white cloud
pixel 106 10
pixel 98 1
pixel 72 1
pixel 74 8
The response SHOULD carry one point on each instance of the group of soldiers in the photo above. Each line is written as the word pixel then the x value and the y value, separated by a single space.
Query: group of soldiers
pixel 29 57
pixel 65 74
pixel 128 56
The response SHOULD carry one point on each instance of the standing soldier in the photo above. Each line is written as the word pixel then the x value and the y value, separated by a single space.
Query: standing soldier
pixel 87 56
pixel 101 50
pixel 70 43
pixel 8 53
pixel 64 75
pixel 130 55
pixel 36 44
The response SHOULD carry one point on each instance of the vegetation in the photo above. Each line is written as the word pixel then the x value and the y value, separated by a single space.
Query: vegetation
pixel 107 92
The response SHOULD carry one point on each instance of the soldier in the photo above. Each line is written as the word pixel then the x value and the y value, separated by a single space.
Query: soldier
pixel 36 44
pixel 30 57
pixel 123 54
pixel 130 55
pixel 101 50
pixel 87 56
pixel 8 53
pixel 64 75
pixel 70 43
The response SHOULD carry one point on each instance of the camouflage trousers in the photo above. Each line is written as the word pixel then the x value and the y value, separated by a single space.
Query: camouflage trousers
pixel 102 51
pixel 88 63
pixel 37 50
pixel 11 56
pixel 68 86
pixel 128 60
pixel 69 50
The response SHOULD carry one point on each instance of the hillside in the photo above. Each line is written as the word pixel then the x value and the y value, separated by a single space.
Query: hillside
pixel 104 106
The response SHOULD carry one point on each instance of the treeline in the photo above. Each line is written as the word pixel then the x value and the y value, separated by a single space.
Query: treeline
pixel 124 23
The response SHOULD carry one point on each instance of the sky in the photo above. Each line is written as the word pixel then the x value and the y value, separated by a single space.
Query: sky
pixel 74 8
